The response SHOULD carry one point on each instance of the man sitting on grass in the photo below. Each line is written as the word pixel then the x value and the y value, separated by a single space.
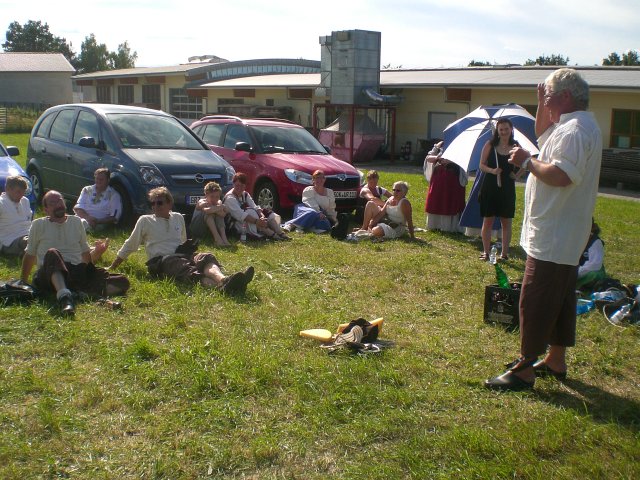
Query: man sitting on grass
pixel 15 216
pixel 58 244
pixel 162 233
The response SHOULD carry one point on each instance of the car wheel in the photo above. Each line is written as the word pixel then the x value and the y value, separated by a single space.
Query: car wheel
pixel 126 219
pixel 266 195
pixel 36 183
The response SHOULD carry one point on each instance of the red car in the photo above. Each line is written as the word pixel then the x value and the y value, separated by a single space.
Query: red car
pixel 278 158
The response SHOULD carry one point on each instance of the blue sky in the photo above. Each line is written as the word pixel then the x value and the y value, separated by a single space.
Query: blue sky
pixel 415 34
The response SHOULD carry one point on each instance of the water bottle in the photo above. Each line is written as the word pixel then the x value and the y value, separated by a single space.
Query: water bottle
pixel 617 317
pixel 608 295
pixel 584 306
pixel 243 232
pixel 493 256
pixel 501 277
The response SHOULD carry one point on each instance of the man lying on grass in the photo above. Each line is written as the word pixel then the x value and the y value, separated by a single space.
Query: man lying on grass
pixel 162 233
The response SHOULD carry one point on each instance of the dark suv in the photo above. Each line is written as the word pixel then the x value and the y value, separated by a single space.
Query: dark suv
pixel 278 158
pixel 143 148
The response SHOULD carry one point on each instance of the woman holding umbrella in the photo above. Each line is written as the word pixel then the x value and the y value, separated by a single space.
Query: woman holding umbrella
pixel 498 191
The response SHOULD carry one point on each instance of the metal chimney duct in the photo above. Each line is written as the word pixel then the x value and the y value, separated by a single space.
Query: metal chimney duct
pixel 350 64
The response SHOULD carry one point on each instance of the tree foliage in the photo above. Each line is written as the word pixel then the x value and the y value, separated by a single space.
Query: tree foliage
pixel 34 36
pixel 477 63
pixel 630 57
pixel 553 59
pixel 123 58
pixel 93 57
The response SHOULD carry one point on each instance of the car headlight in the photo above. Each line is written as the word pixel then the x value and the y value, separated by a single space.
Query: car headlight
pixel 299 177
pixel 362 177
pixel 230 173
pixel 151 176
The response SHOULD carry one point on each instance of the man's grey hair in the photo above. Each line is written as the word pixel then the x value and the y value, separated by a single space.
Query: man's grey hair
pixel 569 79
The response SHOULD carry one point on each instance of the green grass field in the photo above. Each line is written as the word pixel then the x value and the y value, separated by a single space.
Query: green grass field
pixel 186 383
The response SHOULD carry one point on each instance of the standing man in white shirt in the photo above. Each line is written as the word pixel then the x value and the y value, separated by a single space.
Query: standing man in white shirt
pixel 560 198
pixel 15 216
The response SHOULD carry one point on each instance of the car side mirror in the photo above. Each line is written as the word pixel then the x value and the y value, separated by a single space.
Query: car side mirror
pixel 87 142
pixel 13 151
pixel 327 148
pixel 243 147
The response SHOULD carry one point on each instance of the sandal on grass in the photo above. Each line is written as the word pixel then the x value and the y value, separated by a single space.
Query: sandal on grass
pixel 509 381
pixel 504 257
pixel 484 257
pixel 542 370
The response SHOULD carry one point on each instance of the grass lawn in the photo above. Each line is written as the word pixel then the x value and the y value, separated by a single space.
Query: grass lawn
pixel 186 383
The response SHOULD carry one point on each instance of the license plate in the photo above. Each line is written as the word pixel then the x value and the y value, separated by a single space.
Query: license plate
pixel 193 199
pixel 344 194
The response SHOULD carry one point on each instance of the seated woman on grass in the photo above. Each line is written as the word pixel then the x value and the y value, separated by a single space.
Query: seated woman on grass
pixel 317 212
pixel 260 222
pixel 209 216
pixel 395 219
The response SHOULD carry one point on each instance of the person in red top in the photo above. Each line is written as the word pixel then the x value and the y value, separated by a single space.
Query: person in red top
pixel 445 198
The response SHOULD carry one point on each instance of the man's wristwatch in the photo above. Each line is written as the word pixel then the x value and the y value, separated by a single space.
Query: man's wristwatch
pixel 525 164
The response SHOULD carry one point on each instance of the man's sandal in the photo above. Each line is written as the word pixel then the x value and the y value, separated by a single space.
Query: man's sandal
pixel 509 381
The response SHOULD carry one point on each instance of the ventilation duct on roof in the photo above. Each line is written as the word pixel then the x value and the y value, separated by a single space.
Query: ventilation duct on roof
pixel 350 63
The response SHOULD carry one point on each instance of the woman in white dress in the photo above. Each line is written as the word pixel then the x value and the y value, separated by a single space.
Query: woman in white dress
pixel 395 219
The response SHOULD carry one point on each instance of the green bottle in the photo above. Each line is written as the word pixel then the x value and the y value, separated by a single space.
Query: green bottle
pixel 501 277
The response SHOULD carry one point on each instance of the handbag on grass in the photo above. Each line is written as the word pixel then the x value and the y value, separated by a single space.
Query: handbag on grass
pixel 16 291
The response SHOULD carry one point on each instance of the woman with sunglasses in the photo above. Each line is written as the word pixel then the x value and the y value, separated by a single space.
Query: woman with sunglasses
pixel 395 219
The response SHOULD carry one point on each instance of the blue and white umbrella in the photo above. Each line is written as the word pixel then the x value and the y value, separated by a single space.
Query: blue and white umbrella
pixel 464 138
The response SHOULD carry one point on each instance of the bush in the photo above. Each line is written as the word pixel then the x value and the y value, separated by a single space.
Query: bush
pixel 21 119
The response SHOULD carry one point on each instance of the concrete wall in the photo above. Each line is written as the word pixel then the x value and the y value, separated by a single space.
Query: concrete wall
pixel 49 88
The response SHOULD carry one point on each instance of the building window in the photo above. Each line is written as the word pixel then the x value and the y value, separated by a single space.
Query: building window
pixel 625 128
pixel 244 92
pixel 151 96
pixel 103 93
pixel 184 106
pixel 125 94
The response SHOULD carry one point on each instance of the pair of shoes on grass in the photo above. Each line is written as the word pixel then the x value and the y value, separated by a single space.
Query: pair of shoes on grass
pixel 509 381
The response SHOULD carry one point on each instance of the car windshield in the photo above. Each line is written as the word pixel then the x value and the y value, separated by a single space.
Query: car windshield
pixel 286 139
pixel 136 130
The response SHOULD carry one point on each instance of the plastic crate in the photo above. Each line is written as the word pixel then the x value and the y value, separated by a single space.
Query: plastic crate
pixel 501 305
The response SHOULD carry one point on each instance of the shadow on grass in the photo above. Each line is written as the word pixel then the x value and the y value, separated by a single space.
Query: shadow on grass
pixel 603 406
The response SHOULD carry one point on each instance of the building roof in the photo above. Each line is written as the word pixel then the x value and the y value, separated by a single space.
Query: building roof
pixel 625 78
pixel 34 62
pixel 213 68
pixel 139 71
pixel 275 80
